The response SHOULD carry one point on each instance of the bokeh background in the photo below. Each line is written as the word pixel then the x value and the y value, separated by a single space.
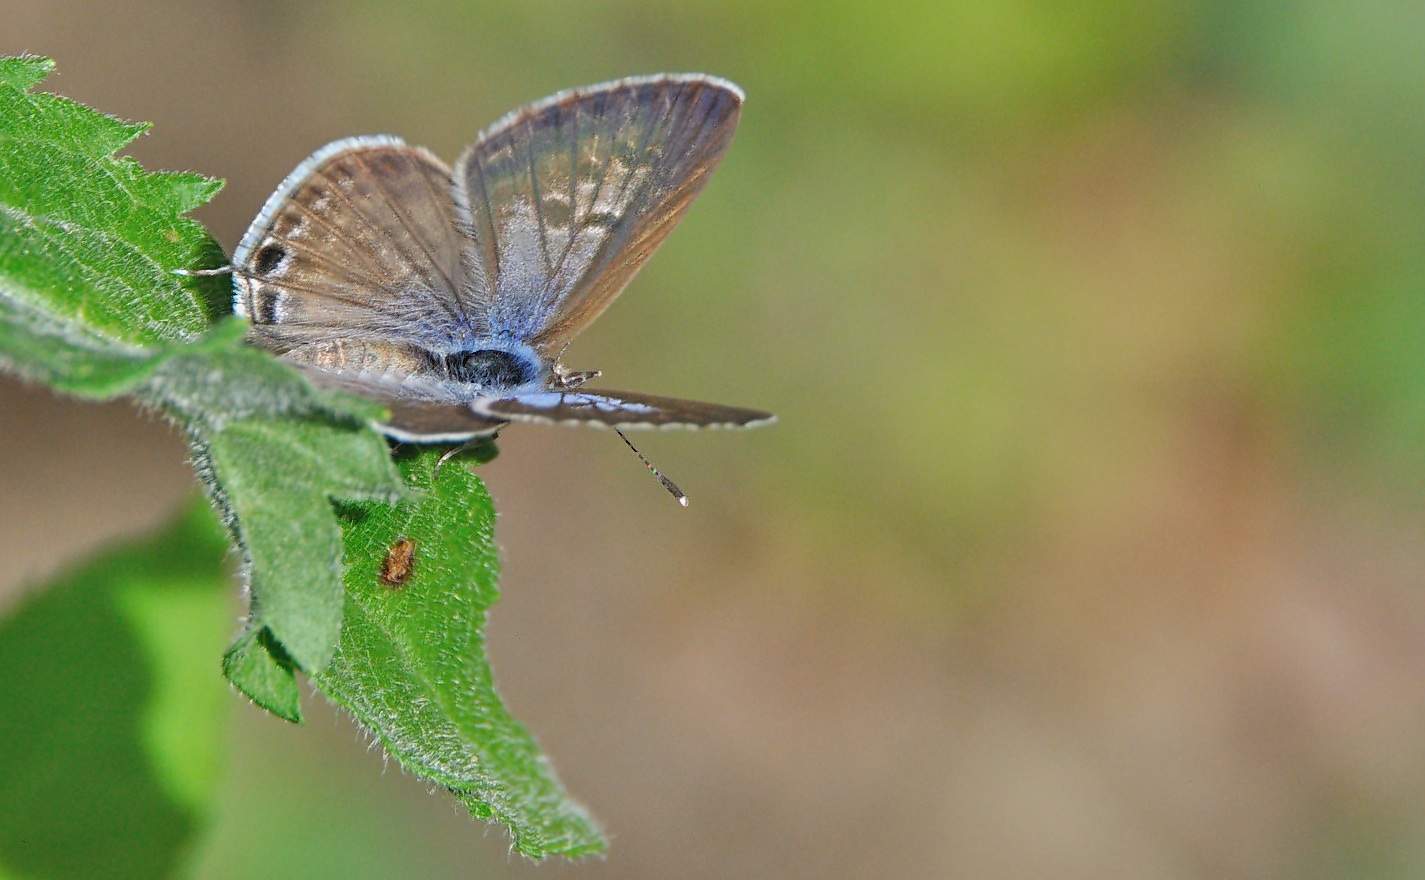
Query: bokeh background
pixel 1091 542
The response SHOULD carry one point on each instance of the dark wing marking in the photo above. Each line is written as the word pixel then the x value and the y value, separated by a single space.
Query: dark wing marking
pixel 564 200
pixel 626 410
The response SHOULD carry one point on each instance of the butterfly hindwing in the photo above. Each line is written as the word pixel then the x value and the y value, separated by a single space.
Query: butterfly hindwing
pixel 565 199
pixel 411 419
pixel 625 410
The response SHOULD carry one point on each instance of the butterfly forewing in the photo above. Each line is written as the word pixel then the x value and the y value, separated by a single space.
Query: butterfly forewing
pixel 566 199
pixel 626 410
pixel 360 242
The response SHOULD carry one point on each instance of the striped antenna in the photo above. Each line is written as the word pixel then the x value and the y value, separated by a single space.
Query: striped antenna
pixel 667 483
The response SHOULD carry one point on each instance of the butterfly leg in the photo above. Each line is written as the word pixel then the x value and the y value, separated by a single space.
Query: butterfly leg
pixel 447 455
pixel 483 447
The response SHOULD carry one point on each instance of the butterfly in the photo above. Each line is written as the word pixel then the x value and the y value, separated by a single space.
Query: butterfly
pixel 449 296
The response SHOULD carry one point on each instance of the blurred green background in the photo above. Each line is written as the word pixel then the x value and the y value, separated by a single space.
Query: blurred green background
pixel 1091 542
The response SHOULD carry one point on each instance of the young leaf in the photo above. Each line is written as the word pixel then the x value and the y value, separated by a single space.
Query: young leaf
pixel 111 722
pixel 412 665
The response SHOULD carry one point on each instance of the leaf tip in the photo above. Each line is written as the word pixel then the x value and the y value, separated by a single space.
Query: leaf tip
pixel 25 71
pixel 261 671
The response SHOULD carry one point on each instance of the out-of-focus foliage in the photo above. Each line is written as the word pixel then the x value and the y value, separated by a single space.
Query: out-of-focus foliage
pixel 113 721
pixel 997 256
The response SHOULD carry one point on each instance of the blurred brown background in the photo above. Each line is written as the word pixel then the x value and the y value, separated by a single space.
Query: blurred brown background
pixel 1090 542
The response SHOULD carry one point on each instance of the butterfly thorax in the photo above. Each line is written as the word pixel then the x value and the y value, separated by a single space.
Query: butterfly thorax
pixel 495 369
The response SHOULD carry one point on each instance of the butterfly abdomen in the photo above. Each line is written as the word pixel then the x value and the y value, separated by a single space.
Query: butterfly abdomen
pixel 360 357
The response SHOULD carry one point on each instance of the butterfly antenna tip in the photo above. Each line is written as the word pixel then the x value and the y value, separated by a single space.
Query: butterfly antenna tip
pixel 667 483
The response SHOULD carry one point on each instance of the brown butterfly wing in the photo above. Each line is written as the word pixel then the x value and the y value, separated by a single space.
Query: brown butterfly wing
pixel 360 242
pixel 565 199
pixel 625 410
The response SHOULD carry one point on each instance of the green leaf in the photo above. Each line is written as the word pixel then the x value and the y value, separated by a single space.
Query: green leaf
pixel 257 666
pixel 412 665
pixel 278 480
pixel 92 238
pixel 76 225
pixel 90 305
pixel 25 71
pixel 112 720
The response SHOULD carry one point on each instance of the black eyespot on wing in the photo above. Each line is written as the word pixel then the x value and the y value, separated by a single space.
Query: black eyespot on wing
pixel 268 257
pixel 489 368
pixel 265 306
